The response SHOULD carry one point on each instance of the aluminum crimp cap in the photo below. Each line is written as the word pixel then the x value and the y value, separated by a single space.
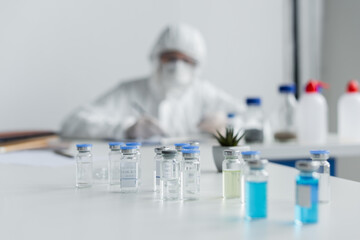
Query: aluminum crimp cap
pixel 84 147
pixel 159 150
pixel 250 155
pixel 191 153
pixel 231 152
pixel 115 145
pixel 129 149
pixel 257 163
pixel 169 153
pixel 307 166
pixel 319 155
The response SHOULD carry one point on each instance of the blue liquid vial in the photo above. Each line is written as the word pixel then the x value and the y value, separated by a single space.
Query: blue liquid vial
pixel 256 189
pixel 306 208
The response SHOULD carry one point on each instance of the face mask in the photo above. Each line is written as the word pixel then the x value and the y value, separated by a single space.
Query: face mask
pixel 176 74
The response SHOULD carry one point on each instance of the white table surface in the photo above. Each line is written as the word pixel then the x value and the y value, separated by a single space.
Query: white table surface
pixel 42 203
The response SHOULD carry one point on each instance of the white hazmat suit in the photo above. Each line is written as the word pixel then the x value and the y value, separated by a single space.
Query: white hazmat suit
pixel 173 101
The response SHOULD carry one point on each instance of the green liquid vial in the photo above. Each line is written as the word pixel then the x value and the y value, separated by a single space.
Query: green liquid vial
pixel 233 175
pixel 232 184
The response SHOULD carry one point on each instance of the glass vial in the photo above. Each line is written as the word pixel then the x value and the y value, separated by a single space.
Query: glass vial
pixel 114 165
pixel 84 166
pixel 157 161
pixel 250 155
pixel 191 174
pixel 285 128
pixel 170 176
pixel 256 189
pixel 138 155
pixel 129 169
pixel 323 171
pixel 254 121
pixel 306 208
pixel 179 147
pixel 233 182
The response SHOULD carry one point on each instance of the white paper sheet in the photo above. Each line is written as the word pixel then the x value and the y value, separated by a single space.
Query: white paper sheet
pixel 36 158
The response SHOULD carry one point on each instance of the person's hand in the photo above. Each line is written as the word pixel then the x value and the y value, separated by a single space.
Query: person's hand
pixel 144 128
pixel 212 122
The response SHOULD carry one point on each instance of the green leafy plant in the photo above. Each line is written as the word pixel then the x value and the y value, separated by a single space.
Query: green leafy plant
pixel 230 139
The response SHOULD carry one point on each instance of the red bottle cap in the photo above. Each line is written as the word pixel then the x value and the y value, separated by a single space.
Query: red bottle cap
pixel 315 86
pixel 352 86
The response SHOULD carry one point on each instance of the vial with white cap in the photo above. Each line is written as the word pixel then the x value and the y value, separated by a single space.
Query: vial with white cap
pixel 306 208
pixel 114 165
pixel 232 171
pixel 170 176
pixel 129 169
pixel 84 166
pixel 256 180
pixel 157 161
pixel 191 174
pixel 322 156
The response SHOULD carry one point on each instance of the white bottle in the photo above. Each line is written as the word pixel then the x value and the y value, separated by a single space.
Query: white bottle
pixel 312 112
pixel 349 114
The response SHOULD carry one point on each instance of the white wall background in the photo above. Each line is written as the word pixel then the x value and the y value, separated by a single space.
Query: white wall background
pixel 341 50
pixel 58 54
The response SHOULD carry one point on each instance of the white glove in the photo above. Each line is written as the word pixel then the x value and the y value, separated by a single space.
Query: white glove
pixel 212 122
pixel 144 128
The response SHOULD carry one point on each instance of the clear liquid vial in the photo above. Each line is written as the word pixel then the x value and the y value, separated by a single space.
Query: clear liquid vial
pixel 306 208
pixel 114 165
pixel 138 155
pixel 129 169
pixel 233 177
pixel 256 180
pixel 157 161
pixel 191 174
pixel 84 166
pixel 170 176
pixel 321 156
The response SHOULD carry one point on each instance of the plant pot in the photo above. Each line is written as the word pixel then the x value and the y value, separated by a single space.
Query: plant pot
pixel 218 154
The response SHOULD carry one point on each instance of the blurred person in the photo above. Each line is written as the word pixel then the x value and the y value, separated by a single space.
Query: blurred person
pixel 173 101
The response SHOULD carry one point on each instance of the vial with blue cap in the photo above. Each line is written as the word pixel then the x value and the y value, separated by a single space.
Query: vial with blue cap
pixel 157 161
pixel 307 185
pixel 191 174
pixel 256 179
pixel 84 166
pixel 254 121
pixel 114 165
pixel 250 155
pixel 284 126
pixel 170 176
pixel 138 155
pixel 322 156
pixel 129 169
pixel 178 148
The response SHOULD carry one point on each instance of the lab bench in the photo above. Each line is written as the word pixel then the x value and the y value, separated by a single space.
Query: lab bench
pixel 41 202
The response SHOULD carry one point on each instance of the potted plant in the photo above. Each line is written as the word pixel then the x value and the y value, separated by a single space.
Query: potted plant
pixel 230 139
